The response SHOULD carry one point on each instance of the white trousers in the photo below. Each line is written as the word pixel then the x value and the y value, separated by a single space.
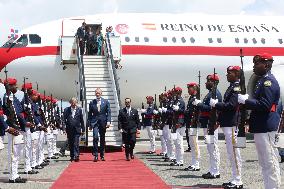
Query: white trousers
pixel 49 137
pixel 179 149
pixel 28 149
pixel 34 149
pixel 54 148
pixel 169 142
pixel 234 155
pixel 15 151
pixel 267 158
pixel 152 136
pixel 195 151
pixel 40 149
pixel 2 143
pixel 214 154
pixel 163 141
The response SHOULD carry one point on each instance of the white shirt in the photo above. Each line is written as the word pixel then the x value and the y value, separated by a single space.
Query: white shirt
pixel 128 109
pixel 73 110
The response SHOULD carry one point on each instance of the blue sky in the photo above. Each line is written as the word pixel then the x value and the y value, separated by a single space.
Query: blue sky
pixel 19 14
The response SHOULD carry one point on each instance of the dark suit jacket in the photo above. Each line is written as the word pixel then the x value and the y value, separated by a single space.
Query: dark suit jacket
pixel 99 118
pixel 81 33
pixel 129 123
pixel 75 124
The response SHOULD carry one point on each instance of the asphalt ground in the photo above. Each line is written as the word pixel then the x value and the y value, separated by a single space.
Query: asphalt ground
pixel 175 177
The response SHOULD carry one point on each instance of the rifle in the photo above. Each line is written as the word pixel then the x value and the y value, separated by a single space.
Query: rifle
pixel 241 137
pixel 143 115
pixel 156 121
pixel 195 115
pixel 28 107
pixel 209 139
pixel 61 115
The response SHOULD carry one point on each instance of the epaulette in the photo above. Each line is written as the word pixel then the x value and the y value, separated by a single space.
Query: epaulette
pixel 267 83
pixel 237 89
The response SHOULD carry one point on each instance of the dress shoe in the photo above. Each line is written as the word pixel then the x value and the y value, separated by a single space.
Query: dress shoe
pixel 71 159
pixel 191 168
pixel 132 156
pixel 176 164
pixel 210 176
pixel 188 150
pixel 18 180
pixel 77 159
pixel 95 159
pixel 31 172
pixel 38 167
pixel 233 186
pixel 102 158
pixel 46 160
pixel 127 158
pixel 43 164
pixel 56 154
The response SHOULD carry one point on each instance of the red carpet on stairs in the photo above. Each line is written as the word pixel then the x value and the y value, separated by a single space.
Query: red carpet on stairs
pixel 115 172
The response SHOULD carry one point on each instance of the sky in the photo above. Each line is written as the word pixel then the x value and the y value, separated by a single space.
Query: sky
pixel 18 14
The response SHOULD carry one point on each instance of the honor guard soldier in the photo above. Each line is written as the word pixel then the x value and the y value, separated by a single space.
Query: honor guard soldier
pixel 264 119
pixel 190 117
pixel 168 127
pixel 205 108
pixel 148 122
pixel 228 119
pixel 13 110
pixel 30 139
pixel 178 126
pixel 56 127
pixel 163 116
pixel 3 126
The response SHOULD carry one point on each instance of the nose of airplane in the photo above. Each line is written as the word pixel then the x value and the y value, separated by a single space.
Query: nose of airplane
pixel 4 57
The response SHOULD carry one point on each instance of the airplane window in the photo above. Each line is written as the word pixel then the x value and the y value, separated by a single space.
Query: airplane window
pixel 192 40
pixel 254 40
pixel 35 39
pixel 183 39
pixel 245 40
pixel 9 43
pixel 219 40
pixel 127 39
pixel 165 39
pixel 146 39
pixel 237 40
pixel 210 40
pixel 262 40
pixel 137 39
pixel 280 41
pixel 174 39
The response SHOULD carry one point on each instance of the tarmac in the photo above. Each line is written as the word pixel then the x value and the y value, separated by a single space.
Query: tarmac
pixel 175 177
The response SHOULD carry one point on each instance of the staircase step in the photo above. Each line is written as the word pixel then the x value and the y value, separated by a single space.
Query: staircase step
pixel 94 79
pixel 95 66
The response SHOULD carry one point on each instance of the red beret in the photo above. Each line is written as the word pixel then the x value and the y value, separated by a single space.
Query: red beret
pixel 149 97
pixel 48 98
pixel 262 57
pixel 234 68
pixel 10 81
pixel 34 92
pixel 54 100
pixel 169 93
pixel 42 97
pixel 192 84
pixel 213 77
pixel 27 86
pixel 176 89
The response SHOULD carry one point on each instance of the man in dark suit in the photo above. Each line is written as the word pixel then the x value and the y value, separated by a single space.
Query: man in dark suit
pixel 99 120
pixel 81 34
pixel 128 124
pixel 74 122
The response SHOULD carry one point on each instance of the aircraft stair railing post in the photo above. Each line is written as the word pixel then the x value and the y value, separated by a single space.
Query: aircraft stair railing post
pixel 83 94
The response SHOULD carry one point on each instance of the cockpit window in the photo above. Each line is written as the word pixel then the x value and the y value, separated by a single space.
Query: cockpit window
pixel 35 39
pixel 9 43
pixel 20 42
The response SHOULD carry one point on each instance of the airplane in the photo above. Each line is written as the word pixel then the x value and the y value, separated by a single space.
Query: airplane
pixel 157 49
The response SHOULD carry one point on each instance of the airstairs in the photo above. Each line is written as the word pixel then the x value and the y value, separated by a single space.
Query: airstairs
pixel 100 72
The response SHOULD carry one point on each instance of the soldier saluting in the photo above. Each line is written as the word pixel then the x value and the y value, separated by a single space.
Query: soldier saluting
pixel 264 119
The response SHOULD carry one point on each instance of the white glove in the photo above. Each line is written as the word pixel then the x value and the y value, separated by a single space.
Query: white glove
pixel 196 101
pixel 160 110
pixel 164 109
pixel 213 102
pixel 175 107
pixel 143 111
pixel 155 112
pixel 242 98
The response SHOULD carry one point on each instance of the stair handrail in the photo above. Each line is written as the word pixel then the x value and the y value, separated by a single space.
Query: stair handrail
pixel 82 82
pixel 109 56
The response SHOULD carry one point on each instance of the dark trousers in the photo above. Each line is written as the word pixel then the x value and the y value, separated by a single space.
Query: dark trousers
pixel 65 146
pixel 73 141
pixel 129 141
pixel 96 131
pixel 82 46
